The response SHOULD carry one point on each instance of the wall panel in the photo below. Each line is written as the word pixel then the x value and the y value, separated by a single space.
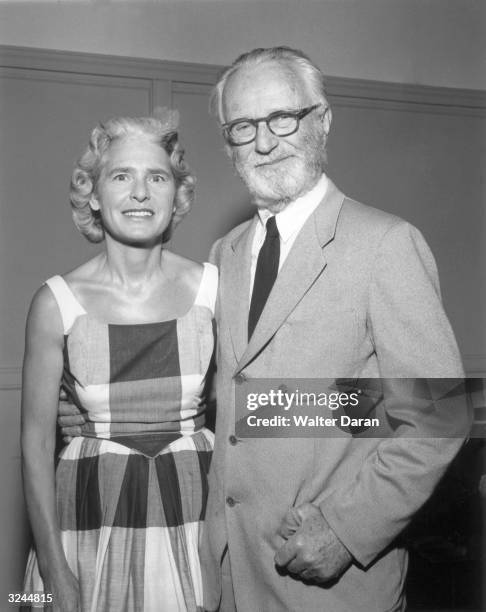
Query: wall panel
pixel 221 198
pixel 425 163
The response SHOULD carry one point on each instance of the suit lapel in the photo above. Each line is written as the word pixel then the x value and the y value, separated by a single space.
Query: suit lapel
pixel 303 265
pixel 237 288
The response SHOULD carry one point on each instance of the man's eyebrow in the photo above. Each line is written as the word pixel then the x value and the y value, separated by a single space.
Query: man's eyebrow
pixel 274 112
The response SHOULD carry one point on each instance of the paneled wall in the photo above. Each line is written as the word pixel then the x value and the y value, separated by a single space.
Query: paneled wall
pixel 416 151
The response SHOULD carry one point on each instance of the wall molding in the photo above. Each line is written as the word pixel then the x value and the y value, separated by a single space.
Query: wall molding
pixel 475 365
pixel 342 91
pixel 91 63
pixel 79 78
pixel 415 98
pixel 10 378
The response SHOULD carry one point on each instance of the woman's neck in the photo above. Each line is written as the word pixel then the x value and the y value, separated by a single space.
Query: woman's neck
pixel 131 266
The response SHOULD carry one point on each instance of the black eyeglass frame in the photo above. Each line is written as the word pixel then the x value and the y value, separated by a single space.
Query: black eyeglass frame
pixel 299 115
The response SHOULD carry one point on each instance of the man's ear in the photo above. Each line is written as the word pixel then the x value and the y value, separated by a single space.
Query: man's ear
pixel 326 119
pixel 93 203
pixel 228 150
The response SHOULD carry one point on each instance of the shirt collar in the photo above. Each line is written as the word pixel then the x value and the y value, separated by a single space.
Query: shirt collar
pixel 291 219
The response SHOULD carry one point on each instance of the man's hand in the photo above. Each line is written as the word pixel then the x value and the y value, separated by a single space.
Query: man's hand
pixel 69 418
pixel 312 550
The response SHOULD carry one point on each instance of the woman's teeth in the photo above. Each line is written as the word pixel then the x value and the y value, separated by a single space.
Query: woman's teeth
pixel 138 213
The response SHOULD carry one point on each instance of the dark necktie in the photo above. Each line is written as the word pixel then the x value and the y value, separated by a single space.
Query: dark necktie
pixel 265 274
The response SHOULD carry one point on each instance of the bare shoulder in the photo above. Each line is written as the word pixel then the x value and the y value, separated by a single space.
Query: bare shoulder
pixel 44 318
pixel 184 270
pixel 86 272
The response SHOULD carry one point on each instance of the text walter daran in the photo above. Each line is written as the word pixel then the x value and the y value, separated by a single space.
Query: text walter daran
pixel 285 400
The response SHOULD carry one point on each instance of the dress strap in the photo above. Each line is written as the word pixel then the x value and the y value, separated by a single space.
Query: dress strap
pixel 208 287
pixel 68 305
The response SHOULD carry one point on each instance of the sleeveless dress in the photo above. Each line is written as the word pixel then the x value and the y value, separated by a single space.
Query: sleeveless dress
pixel 131 491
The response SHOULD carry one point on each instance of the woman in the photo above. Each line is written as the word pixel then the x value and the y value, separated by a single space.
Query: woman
pixel 129 335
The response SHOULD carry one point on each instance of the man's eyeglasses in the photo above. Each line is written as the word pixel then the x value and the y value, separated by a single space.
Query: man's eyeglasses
pixel 280 123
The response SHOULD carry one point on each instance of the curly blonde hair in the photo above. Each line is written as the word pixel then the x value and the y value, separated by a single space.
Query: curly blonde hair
pixel 162 129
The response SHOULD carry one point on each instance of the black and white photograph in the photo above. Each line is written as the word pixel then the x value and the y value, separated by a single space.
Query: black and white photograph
pixel 243 305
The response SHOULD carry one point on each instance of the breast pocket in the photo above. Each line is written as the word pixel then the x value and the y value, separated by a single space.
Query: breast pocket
pixel 328 335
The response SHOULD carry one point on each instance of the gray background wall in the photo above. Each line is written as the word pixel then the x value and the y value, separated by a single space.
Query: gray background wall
pixel 397 143
pixel 429 42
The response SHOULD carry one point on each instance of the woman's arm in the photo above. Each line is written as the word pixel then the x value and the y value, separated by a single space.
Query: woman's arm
pixel 42 372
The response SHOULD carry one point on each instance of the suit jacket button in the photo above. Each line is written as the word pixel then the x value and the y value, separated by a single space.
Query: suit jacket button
pixel 230 501
pixel 233 440
pixel 240 378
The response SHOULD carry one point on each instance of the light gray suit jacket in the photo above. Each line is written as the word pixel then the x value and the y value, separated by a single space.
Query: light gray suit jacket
pixel 358 296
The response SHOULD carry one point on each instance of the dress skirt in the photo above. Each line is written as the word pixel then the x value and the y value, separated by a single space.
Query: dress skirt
pixel 130 513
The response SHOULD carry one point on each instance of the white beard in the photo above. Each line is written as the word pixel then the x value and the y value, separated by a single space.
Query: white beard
pixel 275 186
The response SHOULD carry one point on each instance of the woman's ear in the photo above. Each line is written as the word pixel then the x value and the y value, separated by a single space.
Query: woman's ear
pixel 93 203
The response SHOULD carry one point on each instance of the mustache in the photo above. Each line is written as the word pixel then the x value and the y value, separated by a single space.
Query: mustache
pixel 271 161
pixel 253 162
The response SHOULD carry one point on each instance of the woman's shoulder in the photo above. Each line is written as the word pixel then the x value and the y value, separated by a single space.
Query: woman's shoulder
pixel 86 272
pixel 201 279
pixel 183 269
pixel 64 291
pixel 43 302
pixel 44 317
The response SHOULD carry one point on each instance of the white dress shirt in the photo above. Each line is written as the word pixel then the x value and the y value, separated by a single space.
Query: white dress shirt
pixel 289 223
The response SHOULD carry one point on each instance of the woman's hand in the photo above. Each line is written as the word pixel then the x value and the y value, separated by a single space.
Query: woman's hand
pixel 65 592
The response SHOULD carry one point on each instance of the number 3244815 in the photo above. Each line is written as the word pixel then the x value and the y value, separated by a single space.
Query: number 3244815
pixel 30 597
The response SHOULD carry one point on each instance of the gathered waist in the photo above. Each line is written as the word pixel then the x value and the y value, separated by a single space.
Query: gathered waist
pixel 149 444
pixel 111 429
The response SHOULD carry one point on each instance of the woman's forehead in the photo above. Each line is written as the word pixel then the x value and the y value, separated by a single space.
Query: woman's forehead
pixel 134 150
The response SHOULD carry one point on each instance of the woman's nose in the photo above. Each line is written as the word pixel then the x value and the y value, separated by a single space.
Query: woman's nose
pixel 140 190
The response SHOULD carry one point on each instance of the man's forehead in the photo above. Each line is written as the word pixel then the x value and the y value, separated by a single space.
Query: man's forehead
pixel 256 75
pixel 272 83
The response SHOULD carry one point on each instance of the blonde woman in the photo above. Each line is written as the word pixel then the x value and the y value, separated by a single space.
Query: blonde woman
pixel 129 335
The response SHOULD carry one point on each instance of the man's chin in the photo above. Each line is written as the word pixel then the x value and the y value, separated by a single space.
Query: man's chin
pixel 274 186
pixel 280 188
pixel 271 199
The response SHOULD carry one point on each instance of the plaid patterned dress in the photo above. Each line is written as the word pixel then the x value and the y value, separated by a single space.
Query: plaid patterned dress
pixel 131 492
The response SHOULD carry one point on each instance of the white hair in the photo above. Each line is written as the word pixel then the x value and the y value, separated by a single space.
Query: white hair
pixel 294 58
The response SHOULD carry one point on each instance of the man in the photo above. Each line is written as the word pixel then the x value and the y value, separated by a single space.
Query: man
pixel 316 286
pixel 309 524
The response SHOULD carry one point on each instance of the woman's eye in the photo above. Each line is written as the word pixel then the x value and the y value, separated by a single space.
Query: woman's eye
pixel 159 178
pixel 120 177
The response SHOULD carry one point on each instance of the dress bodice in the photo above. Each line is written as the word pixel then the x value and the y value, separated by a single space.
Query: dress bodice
pixel 138 378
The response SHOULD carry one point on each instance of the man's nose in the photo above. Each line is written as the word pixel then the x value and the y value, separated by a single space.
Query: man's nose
pixel 265 141
pixel 140 191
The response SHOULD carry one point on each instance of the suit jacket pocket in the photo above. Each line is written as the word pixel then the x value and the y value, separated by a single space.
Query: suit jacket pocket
pixel 366 392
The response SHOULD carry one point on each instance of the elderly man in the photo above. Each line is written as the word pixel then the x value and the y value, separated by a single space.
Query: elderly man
pixel 315 286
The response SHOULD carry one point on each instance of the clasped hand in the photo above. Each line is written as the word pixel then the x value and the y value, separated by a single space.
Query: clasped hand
pixel 312 550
